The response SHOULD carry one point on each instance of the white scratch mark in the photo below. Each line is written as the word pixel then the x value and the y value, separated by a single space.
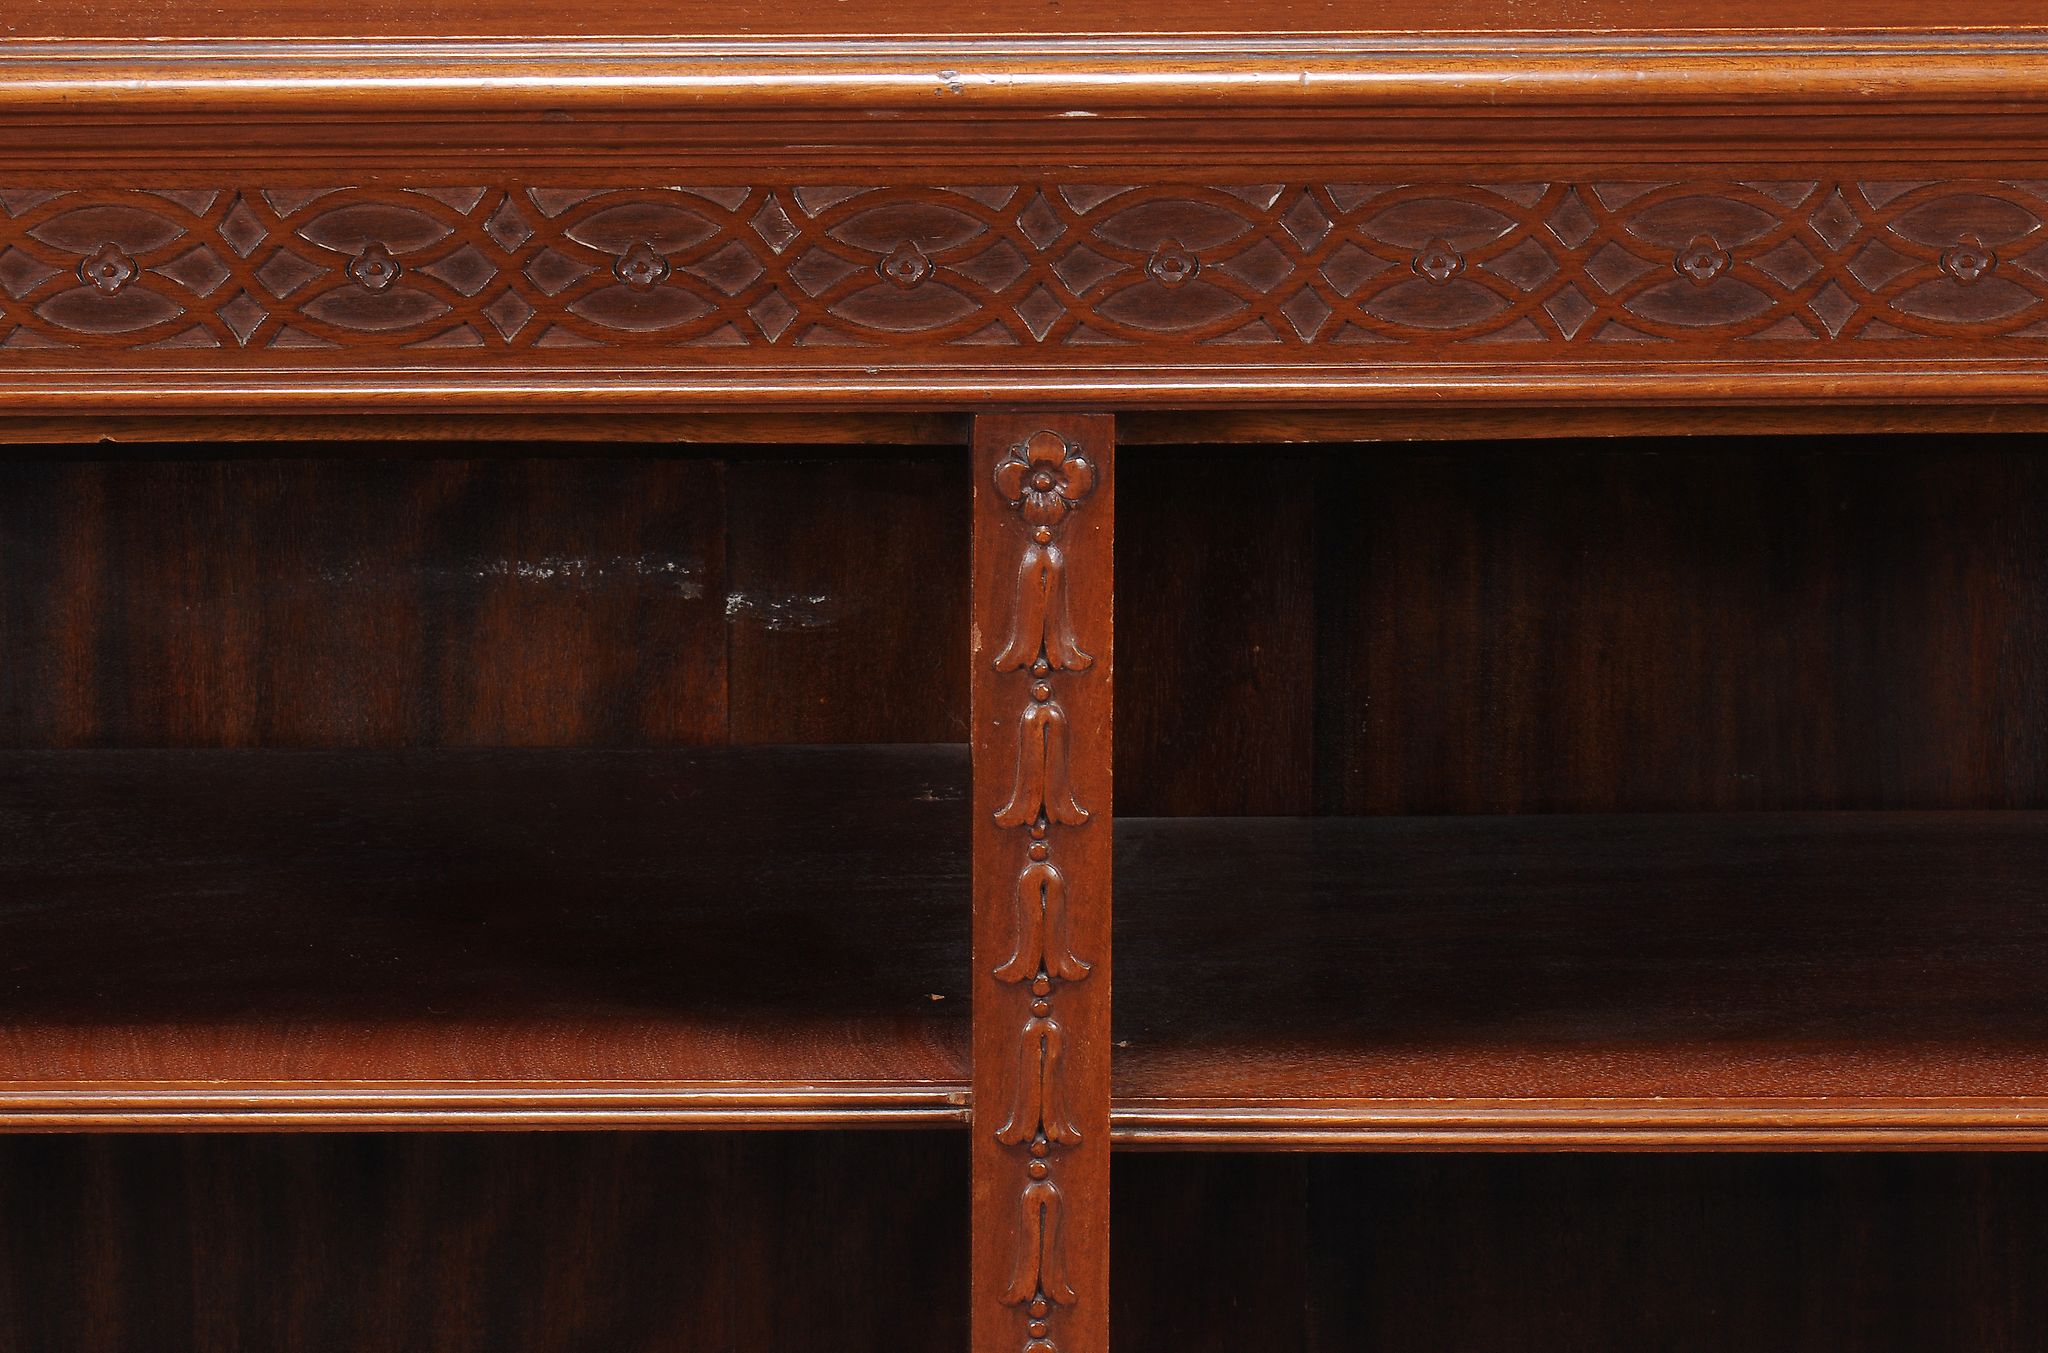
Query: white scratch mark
pixel 782 613
pixel 685 577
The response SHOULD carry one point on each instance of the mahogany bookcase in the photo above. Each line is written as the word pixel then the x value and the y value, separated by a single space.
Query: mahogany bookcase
pixel 556 575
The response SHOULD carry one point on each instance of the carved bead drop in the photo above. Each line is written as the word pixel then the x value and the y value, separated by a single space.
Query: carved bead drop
pixel 1171 265
pixel 906 265
pixel 641 267
pixel 1438 262
pixel 1041 985
pixel 1968 261
pixel 374 269
pixel 1039 1308
pixel 1702 260
pixel 108 270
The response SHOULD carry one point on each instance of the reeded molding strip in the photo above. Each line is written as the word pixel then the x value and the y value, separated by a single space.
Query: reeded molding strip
pixel 217 1106
pixel 1567 1125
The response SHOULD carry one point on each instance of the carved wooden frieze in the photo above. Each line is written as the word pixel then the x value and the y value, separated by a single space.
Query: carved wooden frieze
pixel 1041 863
pixel 1261 268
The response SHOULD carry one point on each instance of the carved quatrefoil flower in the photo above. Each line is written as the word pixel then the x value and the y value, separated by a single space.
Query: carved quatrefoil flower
pixel 906 265
pixel 1968 260
pixel 1043 477
pixel 1171 265
pixel 1703 260
pixel 641 267
pixel 108 269
pixel 374 269
pixel 1438 262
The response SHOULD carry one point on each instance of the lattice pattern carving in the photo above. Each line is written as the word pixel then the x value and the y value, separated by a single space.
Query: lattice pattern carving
pixel 1564 266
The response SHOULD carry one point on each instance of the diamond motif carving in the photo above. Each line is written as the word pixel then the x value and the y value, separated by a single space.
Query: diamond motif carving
pixel 908 268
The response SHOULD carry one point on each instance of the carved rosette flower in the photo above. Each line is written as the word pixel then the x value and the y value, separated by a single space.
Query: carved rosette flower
pixel 1170 264
pixel 906 266
pixel 641 267
pixel 1702 260
pixel 1044 477
pixel 108 269
pixel 1438 262
pixel 374 269
pixel 1968 260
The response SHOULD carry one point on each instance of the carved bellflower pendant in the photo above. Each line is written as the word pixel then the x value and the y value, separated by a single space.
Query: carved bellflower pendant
pixel 1041 1267
pixel 1041 788
pixel 1040 924
pixel 1044 478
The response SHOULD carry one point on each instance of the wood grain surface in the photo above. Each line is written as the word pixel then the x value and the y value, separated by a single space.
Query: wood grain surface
pixel 1590 215
pixel 1674 978
pixel 1608 1253
pixel 1670 625
pixel 277 596
pixel 437 935
pixel 526 1243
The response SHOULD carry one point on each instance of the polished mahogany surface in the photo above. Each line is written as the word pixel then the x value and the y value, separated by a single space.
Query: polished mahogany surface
pixel 1602 1254
pixel 1558 794
pixel 503 207
pixel 1251 19
pixel 1667 625
pixel 1254 19
pixel 624 1242
pixel 563 919
pixel 500 917
pixel 506 595
pixel 1717 958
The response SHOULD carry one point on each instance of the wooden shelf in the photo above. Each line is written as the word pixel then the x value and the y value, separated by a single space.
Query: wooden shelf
pixel 1772 980
pixel 408 938
pixel 764 936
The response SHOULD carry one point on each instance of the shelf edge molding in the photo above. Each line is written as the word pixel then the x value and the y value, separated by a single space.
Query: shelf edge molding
pixel 1586 1125
pixel 472 1106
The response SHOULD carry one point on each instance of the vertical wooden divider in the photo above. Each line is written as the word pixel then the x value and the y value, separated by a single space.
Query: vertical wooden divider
pixel 1043 528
